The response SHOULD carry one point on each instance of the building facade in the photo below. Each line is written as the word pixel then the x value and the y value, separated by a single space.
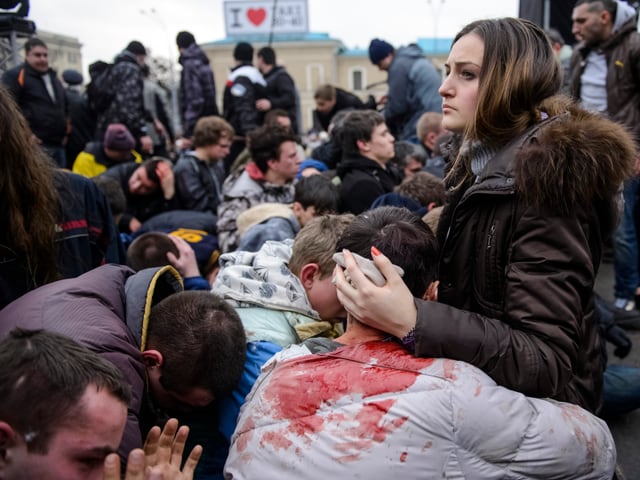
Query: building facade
pixel 313 59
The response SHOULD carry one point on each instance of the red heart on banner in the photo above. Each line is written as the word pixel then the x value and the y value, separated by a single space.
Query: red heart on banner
pixel 257 15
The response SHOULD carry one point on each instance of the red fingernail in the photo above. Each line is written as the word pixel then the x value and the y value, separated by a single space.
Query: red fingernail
pixel 375 252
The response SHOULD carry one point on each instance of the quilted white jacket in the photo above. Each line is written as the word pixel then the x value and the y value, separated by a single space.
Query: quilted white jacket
pixel 372 411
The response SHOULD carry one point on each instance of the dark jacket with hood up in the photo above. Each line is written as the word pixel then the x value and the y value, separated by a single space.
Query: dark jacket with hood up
pixel 413 90
pixel 197 88
pixel 520 249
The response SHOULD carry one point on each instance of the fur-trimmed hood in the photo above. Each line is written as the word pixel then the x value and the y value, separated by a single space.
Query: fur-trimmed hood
pixel 571 158
pixel 574 158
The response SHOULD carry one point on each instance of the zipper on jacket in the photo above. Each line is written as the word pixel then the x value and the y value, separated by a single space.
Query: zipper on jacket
pixel 491 240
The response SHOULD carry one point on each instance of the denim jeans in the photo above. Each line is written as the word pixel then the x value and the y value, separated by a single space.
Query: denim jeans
pixel 57 153
pixel 626 245
pixel 621 390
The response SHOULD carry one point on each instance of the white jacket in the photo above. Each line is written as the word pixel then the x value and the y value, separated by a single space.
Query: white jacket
pixel 374 411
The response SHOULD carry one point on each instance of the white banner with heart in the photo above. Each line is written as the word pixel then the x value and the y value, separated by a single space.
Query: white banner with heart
pixel 257 16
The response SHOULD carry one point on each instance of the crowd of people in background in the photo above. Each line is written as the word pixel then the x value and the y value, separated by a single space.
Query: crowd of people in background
pixel 414 296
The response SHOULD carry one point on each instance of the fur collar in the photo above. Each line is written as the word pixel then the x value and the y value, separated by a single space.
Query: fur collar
pixel 572 158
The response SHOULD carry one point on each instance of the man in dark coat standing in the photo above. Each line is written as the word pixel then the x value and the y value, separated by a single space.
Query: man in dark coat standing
pixel 197 84
pixel 126 84
pixel 244 87
pixel 42 99
pixel 281 90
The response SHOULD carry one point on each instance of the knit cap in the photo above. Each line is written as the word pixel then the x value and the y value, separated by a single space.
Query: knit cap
pixel 243 52
pixel 117 137
pixel 185 39
pixel 72 77
pixel 136 48
pixel 378 50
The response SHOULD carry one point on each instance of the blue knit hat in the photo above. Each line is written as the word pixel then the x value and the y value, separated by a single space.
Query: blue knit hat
pixel 311 163
pixel 72 77
pixel 378 50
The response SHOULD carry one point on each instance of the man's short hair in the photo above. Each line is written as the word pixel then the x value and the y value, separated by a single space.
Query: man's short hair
pixel 400 235
pixel 610 6
pixel 268 55
pixel 33 42
pixel 316 243
pixel 43 376
pixel 209 130
pixel 113 191
pixel 423 187
pixel 319 192
pixel 265 142
pixel 202 341
pixel 325 92
pixel 271 117
pixel 150 250
pixel 427 123
pixel 150 166
pixel 404 150
pixel 358 125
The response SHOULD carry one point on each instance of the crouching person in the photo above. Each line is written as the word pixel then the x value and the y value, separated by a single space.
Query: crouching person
pixel 177 350
pixel 363 404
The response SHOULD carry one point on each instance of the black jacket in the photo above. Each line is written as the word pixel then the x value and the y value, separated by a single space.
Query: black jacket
pixel 244 86
pixel 363 180
pixel 198 183
pixel 47 118
pixel 83 124
pixel 86 238
pixel 281 92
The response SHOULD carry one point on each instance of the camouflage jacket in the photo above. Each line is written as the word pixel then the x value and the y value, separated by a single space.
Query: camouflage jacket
pixel 128 104
pixel 240 192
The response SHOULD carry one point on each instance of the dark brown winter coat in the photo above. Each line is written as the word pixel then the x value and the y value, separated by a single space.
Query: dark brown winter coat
pixel 520 249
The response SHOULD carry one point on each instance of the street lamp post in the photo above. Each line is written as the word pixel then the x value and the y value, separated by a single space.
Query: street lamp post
pixel 435 9
pixel 153 13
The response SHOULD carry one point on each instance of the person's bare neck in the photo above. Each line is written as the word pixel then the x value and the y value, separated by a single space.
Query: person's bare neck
pixel 201 154
pixel 357 332
pixel 272 177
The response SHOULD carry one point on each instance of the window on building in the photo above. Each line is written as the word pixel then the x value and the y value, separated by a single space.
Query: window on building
pixel 315 76
pixel 357 82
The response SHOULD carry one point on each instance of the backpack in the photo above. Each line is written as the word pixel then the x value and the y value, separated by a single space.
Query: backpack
pixel 100 92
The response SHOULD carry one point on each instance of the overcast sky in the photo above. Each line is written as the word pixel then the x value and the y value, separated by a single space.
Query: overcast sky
pixel 105 27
